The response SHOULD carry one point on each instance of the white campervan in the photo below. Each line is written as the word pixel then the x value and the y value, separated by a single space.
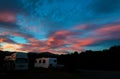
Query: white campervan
pixel 46 62
pixel 21 61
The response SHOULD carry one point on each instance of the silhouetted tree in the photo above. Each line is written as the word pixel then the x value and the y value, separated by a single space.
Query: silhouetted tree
pixel 106 59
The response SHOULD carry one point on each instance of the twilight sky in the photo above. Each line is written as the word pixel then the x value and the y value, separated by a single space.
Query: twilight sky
pixel 59 26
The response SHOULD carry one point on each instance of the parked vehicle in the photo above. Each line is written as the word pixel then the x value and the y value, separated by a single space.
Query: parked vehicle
pixel 46 62
pixel 16 61
pixel 21 61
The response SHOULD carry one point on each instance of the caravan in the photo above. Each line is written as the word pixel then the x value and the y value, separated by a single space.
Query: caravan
pixel 17 61
pixel 21 61
pixel 46 62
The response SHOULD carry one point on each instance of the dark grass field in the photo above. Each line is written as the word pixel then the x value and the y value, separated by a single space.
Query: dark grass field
pixel 57 74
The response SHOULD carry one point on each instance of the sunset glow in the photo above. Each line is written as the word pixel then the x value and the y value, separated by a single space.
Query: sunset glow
pixel 58 26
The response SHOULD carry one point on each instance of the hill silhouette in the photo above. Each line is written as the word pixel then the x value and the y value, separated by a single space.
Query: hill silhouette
pixel 47 54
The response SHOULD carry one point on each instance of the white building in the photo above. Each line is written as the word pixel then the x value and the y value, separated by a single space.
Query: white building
pixel 46 62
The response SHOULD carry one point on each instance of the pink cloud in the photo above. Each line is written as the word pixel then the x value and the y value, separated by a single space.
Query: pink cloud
pixel 81 27
pixel 109 31
pixel 58 39
pixel 64 40
pixel 85 42
pixel 85 27
pixel 7 40
pixel 7 16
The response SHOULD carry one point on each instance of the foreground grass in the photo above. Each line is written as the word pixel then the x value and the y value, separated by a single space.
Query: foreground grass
pixel 43 74
pixel 57 74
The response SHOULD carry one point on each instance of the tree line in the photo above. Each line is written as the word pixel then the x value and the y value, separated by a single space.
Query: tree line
pixel 107 59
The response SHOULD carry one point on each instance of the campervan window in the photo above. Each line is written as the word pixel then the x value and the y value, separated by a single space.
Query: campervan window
pixel 21 60
pixel 39 61
pixel 44 61
pixel 35 61
pixel 55 61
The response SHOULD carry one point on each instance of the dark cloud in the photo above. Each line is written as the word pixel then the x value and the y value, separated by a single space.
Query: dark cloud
pixel 9 25
pixel 22 34
pixel 106 42
pixel 106 6
pixel 10 34
pixel 13 5
pixel 14 29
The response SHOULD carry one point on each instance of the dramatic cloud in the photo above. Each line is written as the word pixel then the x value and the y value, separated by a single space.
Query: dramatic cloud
pixel 59 26
pixel 59 38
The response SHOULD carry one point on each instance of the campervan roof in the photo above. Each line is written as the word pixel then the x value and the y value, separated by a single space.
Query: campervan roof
pixel 21 55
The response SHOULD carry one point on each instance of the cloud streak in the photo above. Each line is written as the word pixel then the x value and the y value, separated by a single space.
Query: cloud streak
pixel 59 26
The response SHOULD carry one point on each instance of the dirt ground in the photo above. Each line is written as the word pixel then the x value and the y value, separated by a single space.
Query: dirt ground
pixel 53 74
